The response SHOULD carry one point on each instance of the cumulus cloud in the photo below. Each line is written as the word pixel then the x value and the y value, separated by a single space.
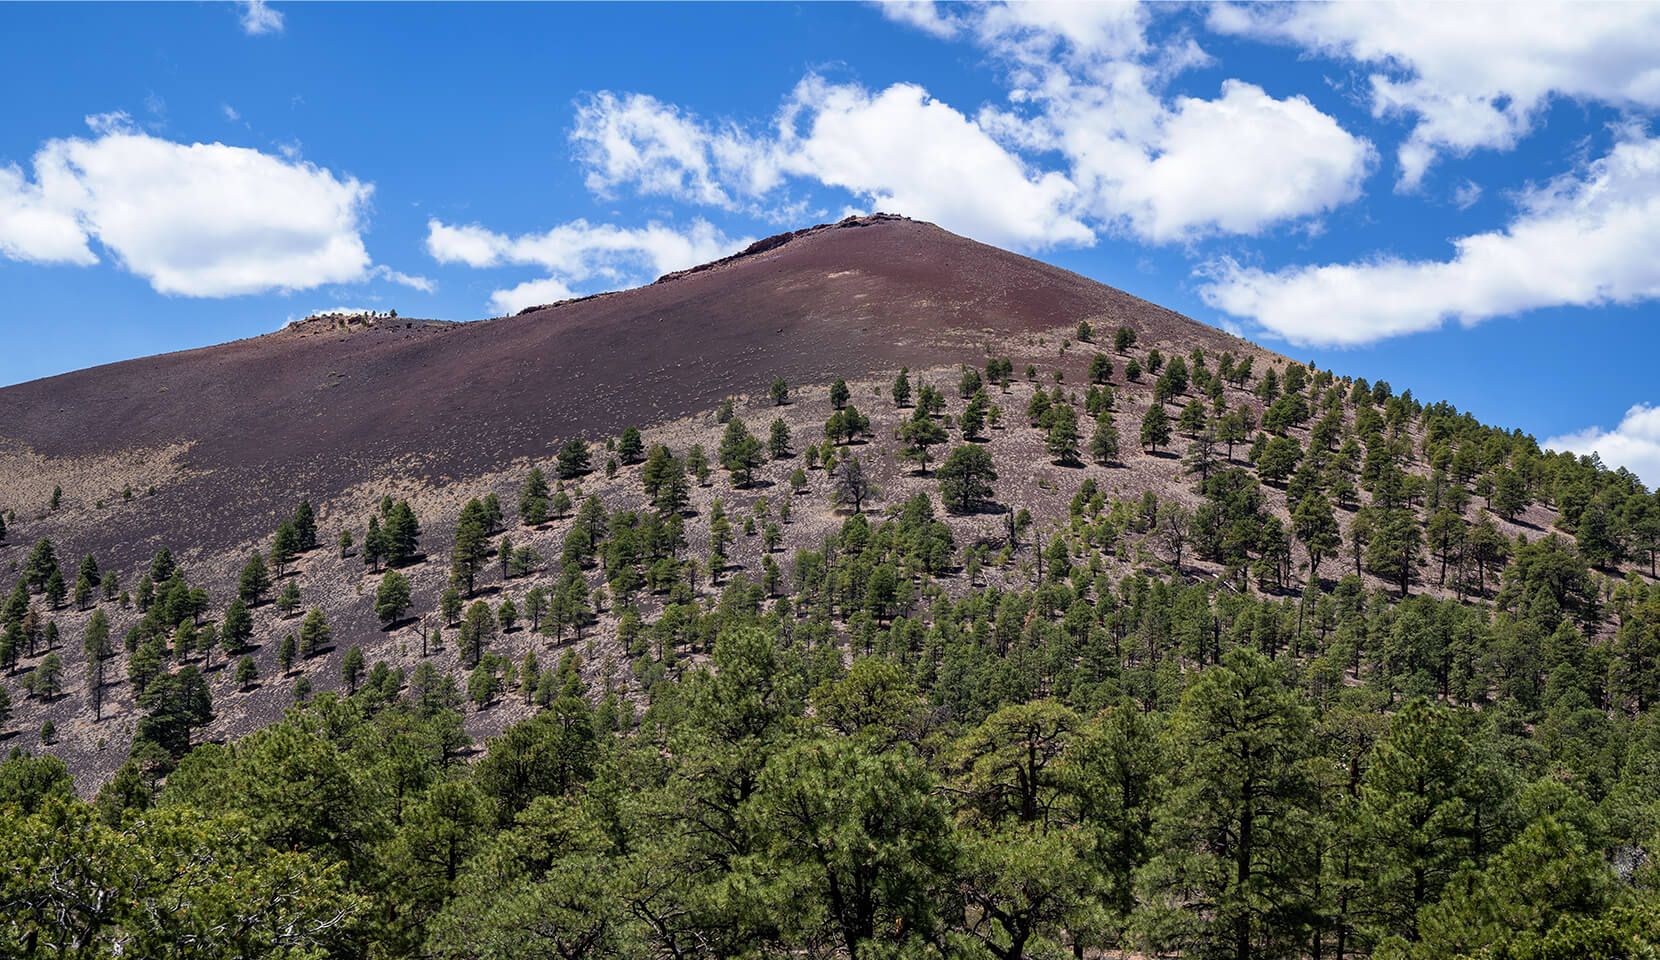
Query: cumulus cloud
pixel 36 228
pixel 1466 194
pixel 383 272
pixel 531 293
pixel 259 17
pixel 924 15
pixel 1217 166
pixel 637 139
pixel 1482 76
pixel 905 151
pixel 1084 87
pixel 898 149
pixel 577 253
pixel 1634 444
pixel 1583 240
pixel 198 220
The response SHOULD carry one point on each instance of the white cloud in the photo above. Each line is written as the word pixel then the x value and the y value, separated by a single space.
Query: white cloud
pixel 1579 241
pixel 898 150
pixel 1084 88
pixel 230 112
pixel 383 272
pixel 199 220
pixel 531 293
pixel 579 252
pixel 258 17
pixel 115 121
pixel 1218 166
pixel 1634 444
pixel 903 151
pixel 640 140
pixel 1466 194
pixel 1084 31
pixel 470 244
pixel 1086 83
pixel 1474 75
pixel 924 15
pixel 36 229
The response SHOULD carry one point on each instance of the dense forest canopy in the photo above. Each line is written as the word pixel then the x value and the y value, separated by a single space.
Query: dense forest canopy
pixel 918 667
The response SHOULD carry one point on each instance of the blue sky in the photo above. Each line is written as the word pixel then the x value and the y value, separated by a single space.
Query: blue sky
pixel 1464 200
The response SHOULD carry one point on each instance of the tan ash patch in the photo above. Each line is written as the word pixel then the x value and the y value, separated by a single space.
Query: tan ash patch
pixel 28 477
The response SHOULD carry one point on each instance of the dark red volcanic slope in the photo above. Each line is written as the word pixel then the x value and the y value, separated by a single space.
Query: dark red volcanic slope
pixel 310 413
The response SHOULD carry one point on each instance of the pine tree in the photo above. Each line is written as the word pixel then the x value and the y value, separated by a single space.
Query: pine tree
pixel 1193 419
pixel 1419 801
pixel 237 626
pixel 902 387
pixel 1316 527
pixel 246 673
pixel 573 460
pixel 403 534
pixel 778 443
pixel 1393 550
pixel 975 414
pixel 918 434
pixel 533 499
pixel 852 486
pixel 630 446
pixel 1445 534
pixel 965 479
pixel 844 426
pixel 98 649
pixel 1236 830
pixel 1103 443
pixel 780 392
pixel 482 685
pixel 740 452
pixel 477 631
pixel 1062 439
pixel 673 493
pixel 697 463
pixel 17 605
pixel 1279 459
pixel 284 546
pixel 839 393
pixel 392 598
pixel 374 544
pixel 351 669
pixel 536 605
pixel 289 600
pixel 472 536
pixel 1155 428
pixel 42 563
pixel 314 634
pixel 305 527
